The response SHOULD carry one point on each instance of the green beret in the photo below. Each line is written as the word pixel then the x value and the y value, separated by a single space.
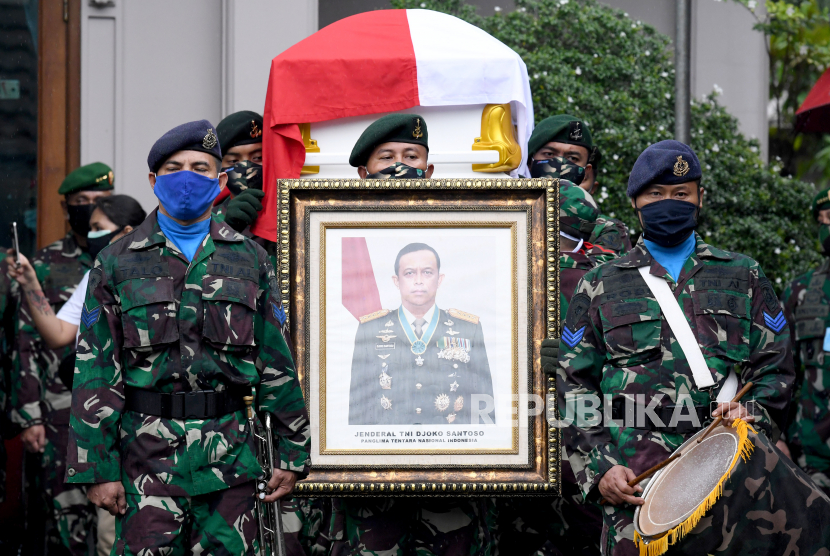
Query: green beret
pixel 577 210
pixel 393 128
pixel 91 177
pixel 820 202
pixel 562 128
pixel 239 128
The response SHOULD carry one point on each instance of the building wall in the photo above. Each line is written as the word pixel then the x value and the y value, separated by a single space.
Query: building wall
pixel 148 66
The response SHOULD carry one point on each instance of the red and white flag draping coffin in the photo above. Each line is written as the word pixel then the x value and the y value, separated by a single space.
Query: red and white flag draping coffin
pixel 376 62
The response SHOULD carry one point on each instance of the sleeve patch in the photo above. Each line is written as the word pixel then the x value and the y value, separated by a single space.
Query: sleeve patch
pixel 579 305
pixel 572 338
pixel 90 317
pixel 776 324
pixel 770 299
pixel 279 313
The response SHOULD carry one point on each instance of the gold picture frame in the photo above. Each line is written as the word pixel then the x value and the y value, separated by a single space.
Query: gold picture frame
pixel 526 211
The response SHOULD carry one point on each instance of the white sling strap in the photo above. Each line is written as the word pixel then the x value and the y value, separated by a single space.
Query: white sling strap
pixel 686 338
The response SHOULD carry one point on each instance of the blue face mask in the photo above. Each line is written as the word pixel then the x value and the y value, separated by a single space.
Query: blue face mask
pixel 186 195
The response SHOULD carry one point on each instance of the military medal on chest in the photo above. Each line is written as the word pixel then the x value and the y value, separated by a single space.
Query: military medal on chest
pixel 419 345
pixel 454 349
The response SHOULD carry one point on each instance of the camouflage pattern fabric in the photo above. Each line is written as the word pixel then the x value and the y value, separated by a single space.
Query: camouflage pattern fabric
pixel 244 175
pixel 558 168
pixel 769 507
pixel 220 523
pixel 39 397
pixel 153 320
pixel 807 307
pixel 75 516
pixel 307 525
pixel 404 526
pixel 612 234
pixel 9 299
pixel 37 392
pixel 577 210
pixel 616 342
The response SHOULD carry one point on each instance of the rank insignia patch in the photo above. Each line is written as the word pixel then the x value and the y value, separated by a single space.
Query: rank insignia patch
pixel 279 313
pixel 776 324
pixel 572 338
pixel 88 318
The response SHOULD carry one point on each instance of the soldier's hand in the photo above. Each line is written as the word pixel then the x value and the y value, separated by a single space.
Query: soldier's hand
pixel 108 496
pixel 34 438
pixel 550 355
pixel 614 486
pixel 243 209
pixel 281 484
pixel 732 411
pixel 25 273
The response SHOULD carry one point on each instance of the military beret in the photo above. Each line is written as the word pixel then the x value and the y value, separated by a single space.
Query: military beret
pixel 90 177
pixel 668 162
pixel 239 128
pixel 562 128
pixel 392 128
pixel 577 210
pixel 820 202
pixel 192 136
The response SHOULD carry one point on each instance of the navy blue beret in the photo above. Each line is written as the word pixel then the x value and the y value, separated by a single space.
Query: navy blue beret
pixel 666 163
pixel 192 136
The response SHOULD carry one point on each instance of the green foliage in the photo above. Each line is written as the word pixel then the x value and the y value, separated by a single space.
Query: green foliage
pixel 798 34
pixel 596 63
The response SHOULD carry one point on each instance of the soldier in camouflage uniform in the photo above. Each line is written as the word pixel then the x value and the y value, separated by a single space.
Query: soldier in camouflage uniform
pixel 566 525
pixel 9 292
pixel 807 306
pixel 182 319
pixel 39 400
pixel 562 139
pixel 616 341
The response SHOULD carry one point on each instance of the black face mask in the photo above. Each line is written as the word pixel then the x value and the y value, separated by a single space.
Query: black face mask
pixel 398 171
pixel 668 222
pixel 95 244
pixel 79 216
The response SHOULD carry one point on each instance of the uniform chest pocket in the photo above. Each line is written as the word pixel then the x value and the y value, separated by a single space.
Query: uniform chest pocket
pixel 148 312
pixel 722 321
pixel 229 307
pixel 631 330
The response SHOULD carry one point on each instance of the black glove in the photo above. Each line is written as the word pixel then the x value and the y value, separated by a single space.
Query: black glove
pixel 550 355
pixel 243 209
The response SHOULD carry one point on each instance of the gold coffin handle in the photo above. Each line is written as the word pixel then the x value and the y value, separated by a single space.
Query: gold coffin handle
pixel 497 134
pixel 310 147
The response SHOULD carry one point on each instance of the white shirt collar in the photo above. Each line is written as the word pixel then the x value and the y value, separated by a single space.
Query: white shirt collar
pixel 410 318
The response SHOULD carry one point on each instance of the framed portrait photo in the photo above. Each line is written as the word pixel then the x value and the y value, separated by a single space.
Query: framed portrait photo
pixel 417 309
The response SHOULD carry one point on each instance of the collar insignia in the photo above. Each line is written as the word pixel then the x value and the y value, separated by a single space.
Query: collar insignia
pixel 209 140
pixel 681 167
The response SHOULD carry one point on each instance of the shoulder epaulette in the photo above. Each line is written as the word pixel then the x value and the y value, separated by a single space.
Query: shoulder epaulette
pixel 373 316
pixel 469 317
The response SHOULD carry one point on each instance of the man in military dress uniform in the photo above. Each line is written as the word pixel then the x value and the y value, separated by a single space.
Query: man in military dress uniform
pixel 39 400
pixel 617 341
pixel 562 146
pixel 807 306
pixel 181 320
pixel 418 364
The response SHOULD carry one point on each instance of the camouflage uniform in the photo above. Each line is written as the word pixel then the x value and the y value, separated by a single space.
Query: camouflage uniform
pixel 152 321
pixel 807 307
pixel 38 396
pixel 616 342
pixel 610 233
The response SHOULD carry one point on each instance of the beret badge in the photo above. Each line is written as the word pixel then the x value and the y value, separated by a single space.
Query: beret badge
pixel 210 139
pixel 681 167
pixel 255 131
pixel 417 133
pixel 575 131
